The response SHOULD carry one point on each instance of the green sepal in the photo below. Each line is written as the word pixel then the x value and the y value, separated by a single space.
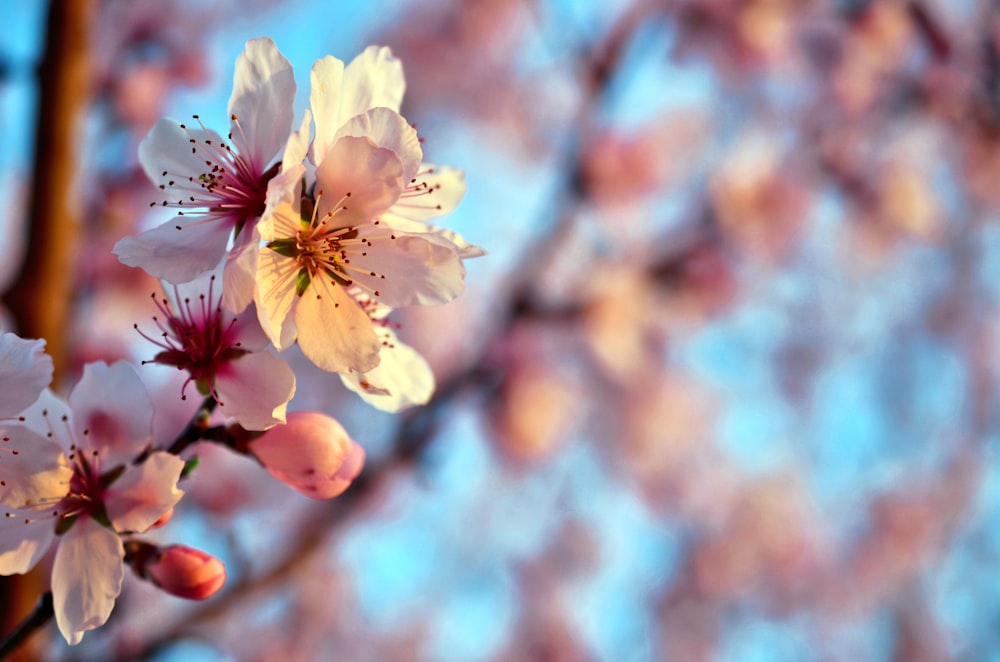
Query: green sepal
pixel 287 247
pixel 189 466
pixel 203 386
pixel 302 282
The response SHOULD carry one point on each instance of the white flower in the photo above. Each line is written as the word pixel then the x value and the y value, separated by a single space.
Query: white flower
pixel 218 188
pixel 67 473
pixel 25 370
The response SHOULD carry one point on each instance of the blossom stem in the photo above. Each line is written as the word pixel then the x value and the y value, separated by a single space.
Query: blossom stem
pixel 41 615
pixel 196 428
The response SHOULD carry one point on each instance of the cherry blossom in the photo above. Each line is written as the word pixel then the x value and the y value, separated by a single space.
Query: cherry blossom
pixel 67 473
pixel 219 189
pixel 225 355
pixel 312 453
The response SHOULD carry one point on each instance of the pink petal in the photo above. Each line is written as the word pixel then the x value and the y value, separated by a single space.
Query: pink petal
pixel 262 99
pixel 33 469
pixel 333 331
pixel 370 175
pixel 112 404
pixel 179 250
pixel 144 493
pixel 389 130
pixel 255 390
pixel 418 269
pixel 22 543
pixel 86 578
pixel 25 369
pixel 238 276
pixel 402 378
pixel 312 453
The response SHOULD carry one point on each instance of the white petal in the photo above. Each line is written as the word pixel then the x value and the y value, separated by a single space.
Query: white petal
pixel 410 269
pixel 373 78
pixel 144 493
pixel 44 417
pixel 247 331
pixel 436 192
pixel 25 369
pixel 389 130
pixel 262 99
pixel 111 403
pixel 402 378
pixel 357 181
pixel 23 543
pixel 86 578
pixel 324 99
pixel 167 149
pixel 333 331
pixel 275 295
pixel 33 468
pixel 239 275
pixel 179 250
pixel 255 390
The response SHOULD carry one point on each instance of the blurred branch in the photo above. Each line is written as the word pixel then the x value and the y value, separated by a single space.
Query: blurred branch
pixel 39 617
pixel 40 297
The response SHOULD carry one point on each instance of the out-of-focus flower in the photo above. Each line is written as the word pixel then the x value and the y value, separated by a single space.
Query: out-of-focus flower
pixel 186 572
pixel 25 370
pixel 67 472
pixel 310 453
pixel 221 189
pixel 225 355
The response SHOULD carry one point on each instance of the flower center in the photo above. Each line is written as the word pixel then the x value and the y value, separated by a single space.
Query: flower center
pixel 197 338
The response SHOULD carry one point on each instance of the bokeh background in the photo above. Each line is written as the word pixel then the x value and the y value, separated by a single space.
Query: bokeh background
pixel 725 387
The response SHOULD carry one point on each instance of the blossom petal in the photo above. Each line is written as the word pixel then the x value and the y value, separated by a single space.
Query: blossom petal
pixel 357 181
pixel 34 471
pixel 327 78
pixel 166 156
pixel 22 543
pixel 374 78
pixel 144 493
pixel 239 274
pixel 333 331
pixel 179 250
pixel 255 390
pixel 410 269
pixel 25 369
pixel 86 578
pixel 111 403
pixel 275 295
pixel 402 378
pixel 389 130
pixel 262 99
pixel 39 418
pixel 436 192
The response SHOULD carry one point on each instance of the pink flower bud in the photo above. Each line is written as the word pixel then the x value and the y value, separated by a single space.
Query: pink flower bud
pixel 311 453
pixel 187 572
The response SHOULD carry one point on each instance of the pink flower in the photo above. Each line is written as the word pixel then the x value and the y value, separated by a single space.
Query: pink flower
pixel 311 453
pixel 225 355
pixel 220 189
pixel 25 370
pixel 66 473
pixel 186 572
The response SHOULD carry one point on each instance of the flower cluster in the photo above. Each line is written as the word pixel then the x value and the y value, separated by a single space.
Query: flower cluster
pixel 282 236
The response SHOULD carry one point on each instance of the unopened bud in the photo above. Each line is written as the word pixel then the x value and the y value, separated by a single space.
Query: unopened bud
pixel 311 453
pixel 186 572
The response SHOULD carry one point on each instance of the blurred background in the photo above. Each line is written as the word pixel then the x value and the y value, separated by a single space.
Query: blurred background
pixel 725 387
